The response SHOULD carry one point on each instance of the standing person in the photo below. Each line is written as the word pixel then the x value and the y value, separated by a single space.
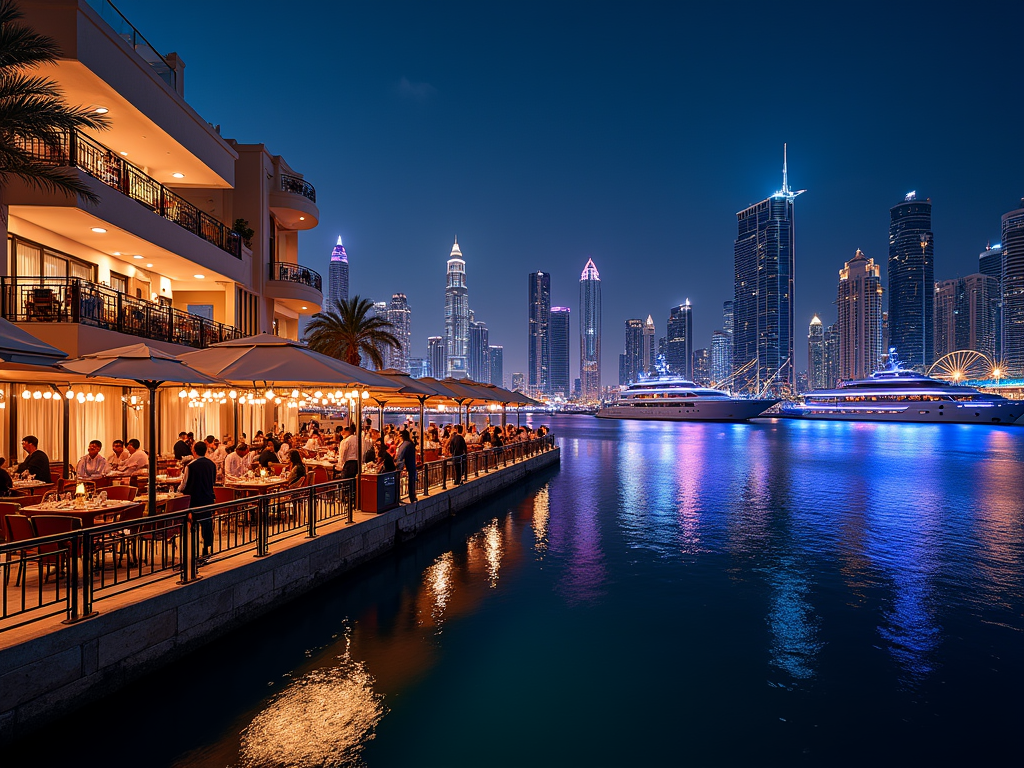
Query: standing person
pixel 457 446
pixel 36 462
pixel 92 466
pixel 215 453
pixel 181 448
pixel 197 481
pixel 348 453
pixel 405 458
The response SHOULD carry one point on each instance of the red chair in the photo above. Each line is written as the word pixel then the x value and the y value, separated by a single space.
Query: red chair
pixel 165 532
pixel 47 525
pixel 7 508
pixel 223 495
pixel 126 540
pixel 319 476
pixel 122 493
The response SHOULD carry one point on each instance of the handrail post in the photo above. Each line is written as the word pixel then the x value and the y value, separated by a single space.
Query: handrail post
pixel 87 545
pixel 72 580
pixel 186 563
pixel 311 513
pixel 263 526
pixel 444 474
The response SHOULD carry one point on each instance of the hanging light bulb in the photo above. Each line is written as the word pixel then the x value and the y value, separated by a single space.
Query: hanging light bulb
pixel 100 397
pixel 295 393
pixel 277 400
pixel 47 395
pixel 37 395
pixel 193 393
pixel 80 397
pixel 69 394
pixel 232 394
pixel 318 394
pixel 365 394
pixel 26 395
pixel 270 394
pixel 183 393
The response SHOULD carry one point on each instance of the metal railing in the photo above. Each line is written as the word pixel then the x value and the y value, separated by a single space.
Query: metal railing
pixel 73 300
pixel 127 32
pixel 75 571
pixel 79 151
pixel 293 273
pixel 298 186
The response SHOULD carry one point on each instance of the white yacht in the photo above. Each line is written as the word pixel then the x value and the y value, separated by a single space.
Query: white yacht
pixel 672 398
pixel 895 394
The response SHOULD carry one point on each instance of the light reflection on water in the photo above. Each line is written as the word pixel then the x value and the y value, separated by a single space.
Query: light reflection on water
pixel 768 593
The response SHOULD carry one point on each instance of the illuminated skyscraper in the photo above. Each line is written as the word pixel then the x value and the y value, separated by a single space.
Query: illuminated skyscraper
pixel 816 375
pixel 497 365
pixel 419 367
pixel 859 303
pixel 700 368
pixel 721 357
pixel 679 340
pixel 965 314
pixel 765 262
pixel 400 317
pixel 832 355
pixel 558 335
pixel 650 349
pixel 479 362
pixel 337 275
pixel 633 363
pixel 590 332
pixel 911 281
pixel 1013 291
pixel 456 316
pixel 518 382
pixel 538 351
pixel 990 263
pixel 436 357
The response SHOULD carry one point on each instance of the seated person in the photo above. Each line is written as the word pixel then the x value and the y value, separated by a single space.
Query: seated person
pixel 92 466
pixel 269 454
pixel 296 470
pixel 385 461
pixel 6 482
pixel 36 463
pixel 182 448
pixel 117 459
pixel 138 460
pixel 237 463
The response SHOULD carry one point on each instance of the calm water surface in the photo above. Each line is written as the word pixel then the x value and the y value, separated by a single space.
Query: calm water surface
pixel 787 593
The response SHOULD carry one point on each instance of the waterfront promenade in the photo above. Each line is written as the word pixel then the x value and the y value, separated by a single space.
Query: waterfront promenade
pixel 128 599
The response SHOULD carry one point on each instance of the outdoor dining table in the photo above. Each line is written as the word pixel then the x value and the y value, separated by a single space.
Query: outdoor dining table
pixel 87 511
pixel 260 485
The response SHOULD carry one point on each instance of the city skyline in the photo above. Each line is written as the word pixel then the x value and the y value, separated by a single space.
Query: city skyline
pixel 529 198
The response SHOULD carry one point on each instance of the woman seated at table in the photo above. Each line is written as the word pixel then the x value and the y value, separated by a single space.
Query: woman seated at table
pixel 385 461
pixel 6 483
pixel 296 470
pixel 269 454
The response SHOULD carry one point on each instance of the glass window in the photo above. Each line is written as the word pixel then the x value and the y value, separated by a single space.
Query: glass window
pixel 54 265
pixel 28 260
pixel 201 310
pixel 81 270
pixel 119 282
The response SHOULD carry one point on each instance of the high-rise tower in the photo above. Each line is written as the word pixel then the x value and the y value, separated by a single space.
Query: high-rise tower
pixel 1013 291
pixel 337 275
pixel 816 376
pixel 590 332
pixel 400 317
pixel 558 335
pixel 497 354
pixel 456 316
pixel 911 281
pixel 538 350
pixel 679 344
pixel 479 352
pixel 966 310
pixel 436 356
pixel 859 302
pixel 990 263
pixel 765 263
pixel 650 349
pixel 634 348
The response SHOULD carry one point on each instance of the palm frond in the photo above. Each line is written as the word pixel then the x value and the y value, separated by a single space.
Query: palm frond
pixel 346 331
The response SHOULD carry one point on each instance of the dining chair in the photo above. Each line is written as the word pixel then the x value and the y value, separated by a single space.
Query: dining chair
pixel 19 528
pixel 164 532
pixel 122 492
pixel 47 525
pixel 7 508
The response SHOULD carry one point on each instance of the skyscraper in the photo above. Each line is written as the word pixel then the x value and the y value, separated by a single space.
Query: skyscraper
pixel 701 366
pixel 479 362
pixel 1013 291
pixel 537 343
pixel 558 344
pixel 721 357
pixel 518 382
pixel 380 309
pixel 650 349
pixel 859 302
pixel 765 262
pixel 965 315
pixel 634 362
pixel 497 365
pixel 419 367
pixel 337 275
pixel 436 356
pixel 590 332
pixel 727 327
pixel 990 262
pixel 831 355
pixel 816 374
pixel 911 281
pixel 679 345
pixel 456 316
pixel 400 317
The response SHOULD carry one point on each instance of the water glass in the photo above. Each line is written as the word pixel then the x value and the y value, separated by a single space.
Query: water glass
pixel 103 497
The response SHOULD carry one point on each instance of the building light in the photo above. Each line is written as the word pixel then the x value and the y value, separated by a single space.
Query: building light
pixel 199 277
pixel 137 256
pixel 178 175
pixel 101 110
pixel 99 230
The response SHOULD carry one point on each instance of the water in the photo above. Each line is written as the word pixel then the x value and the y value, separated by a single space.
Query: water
pixel 789 593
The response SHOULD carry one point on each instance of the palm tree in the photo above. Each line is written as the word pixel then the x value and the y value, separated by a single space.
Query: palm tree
pixel 35 121
pixel 349 330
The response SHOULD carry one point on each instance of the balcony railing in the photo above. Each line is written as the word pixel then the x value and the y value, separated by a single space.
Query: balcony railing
pixel 298 186
pixel 127 32
pixel 293 273
pixel 78 151
pixel 71 300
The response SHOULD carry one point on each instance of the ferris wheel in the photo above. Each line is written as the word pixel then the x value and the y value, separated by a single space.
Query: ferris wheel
pixel 962 365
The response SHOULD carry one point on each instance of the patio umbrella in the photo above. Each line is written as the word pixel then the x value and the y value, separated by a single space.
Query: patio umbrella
pixel 150 368
pixel 412 392
pixel 467 391
pixel 18 346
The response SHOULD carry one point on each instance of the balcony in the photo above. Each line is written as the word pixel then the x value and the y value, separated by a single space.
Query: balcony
pixel 127 32
pixel 293 200
pixel 71 300
pixel 298 186
pixel 79 151
pixel 297 287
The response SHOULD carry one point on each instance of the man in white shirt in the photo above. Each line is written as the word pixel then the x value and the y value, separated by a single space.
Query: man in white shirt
pixel 92 466
pixel 138 460
pixel 348 453
pixel 214 452
pixel 236 463
pixel 118 457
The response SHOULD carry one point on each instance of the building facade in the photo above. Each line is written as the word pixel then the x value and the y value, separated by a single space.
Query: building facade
pixel 911 281
pixel 558 369
pixel 966 312
pixel 437 357
pixel 399 315
pixel 832 355
pixel 650 349
pixel 721 357
pixel 537 343
pixel 859 305
pixel 633 357
pixel 456 316
pixel 337 276
pixel 764 267
pixel 497 354
pixel 419 367
pixel 701 366
pixel 518 382
pixel 590 332
pixel 1013 291
pixel 816 377
pixel 679 340
pixel 990 263
pixel 479 361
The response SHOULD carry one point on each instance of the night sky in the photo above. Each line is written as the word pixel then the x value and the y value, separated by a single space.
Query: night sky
pixel 544 134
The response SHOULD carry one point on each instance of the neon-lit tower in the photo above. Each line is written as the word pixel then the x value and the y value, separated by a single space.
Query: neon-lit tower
pixel 679 340
pixel 337 275
pixel 765 263
pixel 590 332
pixel 912 281
pixel 456 316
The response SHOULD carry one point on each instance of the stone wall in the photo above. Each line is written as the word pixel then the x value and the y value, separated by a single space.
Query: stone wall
pixel 48 668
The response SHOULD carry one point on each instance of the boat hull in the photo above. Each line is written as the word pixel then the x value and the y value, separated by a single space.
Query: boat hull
pixel 708 410
pixel 918 413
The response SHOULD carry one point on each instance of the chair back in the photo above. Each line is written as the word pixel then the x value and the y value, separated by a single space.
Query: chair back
pixel 319 476
pixel 7 508
pixel 19 527
pixel 276 468
pixel 222 494
pixel 122 492
pixel 134 512
pixel 56 476
pixel 179 503
pixel 104 482
pixel 46 525
pixel 30 501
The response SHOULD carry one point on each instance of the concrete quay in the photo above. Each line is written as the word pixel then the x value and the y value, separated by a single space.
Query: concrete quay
pixel 48 668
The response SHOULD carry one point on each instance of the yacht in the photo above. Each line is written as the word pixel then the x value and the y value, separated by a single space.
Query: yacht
pixel 896 394
pixel 672 398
